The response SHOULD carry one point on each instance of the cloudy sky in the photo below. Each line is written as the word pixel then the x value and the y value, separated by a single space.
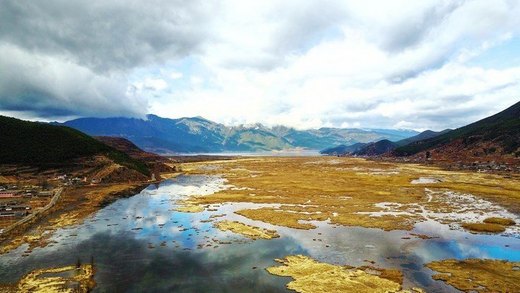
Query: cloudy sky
pixel 390 64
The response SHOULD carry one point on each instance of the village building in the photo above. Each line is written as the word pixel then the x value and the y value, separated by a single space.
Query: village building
pixel 45 193
pixel 10 194
pixel 14 210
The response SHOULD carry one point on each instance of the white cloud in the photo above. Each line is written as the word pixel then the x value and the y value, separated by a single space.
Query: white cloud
pixel 196 81
pixel 368 73
pixel 300 63
pixel 176 75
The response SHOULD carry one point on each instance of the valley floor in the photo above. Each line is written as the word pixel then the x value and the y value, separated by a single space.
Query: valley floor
pixel 75 204
pixel 358 192
pixel 305 193
pixel 301 192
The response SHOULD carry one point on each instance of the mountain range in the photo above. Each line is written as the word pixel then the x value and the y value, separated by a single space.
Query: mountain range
pixel 379 147
pixel 492 139
pixel 199 135
pixel 489 141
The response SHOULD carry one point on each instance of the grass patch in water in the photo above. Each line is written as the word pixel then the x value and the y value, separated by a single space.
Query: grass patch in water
pixel 64 279
pixel 478 275
pixel 190 208
pixel 500 221
pixel 345 191
pixel 310 275
pixel 483 227
pixel 246 230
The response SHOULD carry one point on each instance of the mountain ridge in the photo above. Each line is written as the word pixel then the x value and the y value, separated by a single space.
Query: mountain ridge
pixel 490 138
pixel 491 143
pixel 197 134
pixel 379 147
pixel 53 145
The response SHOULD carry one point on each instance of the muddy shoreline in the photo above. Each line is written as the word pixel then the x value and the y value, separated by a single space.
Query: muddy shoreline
pixel 31 231
pixel 112 197
pixel 337 211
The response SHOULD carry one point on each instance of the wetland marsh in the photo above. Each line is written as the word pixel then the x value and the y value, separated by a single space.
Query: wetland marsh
pixel 279 224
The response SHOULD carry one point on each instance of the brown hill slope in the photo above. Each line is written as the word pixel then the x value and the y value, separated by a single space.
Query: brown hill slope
pixel 489 142
pixel 157 164
pixel 128 147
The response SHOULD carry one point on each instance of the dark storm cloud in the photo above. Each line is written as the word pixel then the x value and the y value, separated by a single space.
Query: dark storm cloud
pixel 105 35
pixel 52 87
pixel 72 57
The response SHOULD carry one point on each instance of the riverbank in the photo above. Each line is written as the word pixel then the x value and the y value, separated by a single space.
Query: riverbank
pixel 70 207
pixel 358 192
pixel 304 193
pixel 216 246
pixel 21 225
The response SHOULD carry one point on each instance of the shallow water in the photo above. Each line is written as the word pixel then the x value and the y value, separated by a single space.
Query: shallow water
pixel 141 244
pixel 280 153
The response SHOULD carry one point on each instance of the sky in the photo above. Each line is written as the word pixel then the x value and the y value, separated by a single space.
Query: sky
pixel 426 64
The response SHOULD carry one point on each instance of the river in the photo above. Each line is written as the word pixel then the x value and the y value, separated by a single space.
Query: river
pixel 141 244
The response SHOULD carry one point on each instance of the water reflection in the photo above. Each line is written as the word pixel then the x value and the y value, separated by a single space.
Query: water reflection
pixel 141 244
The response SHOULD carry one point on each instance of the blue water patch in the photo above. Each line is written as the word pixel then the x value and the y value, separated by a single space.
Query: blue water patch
pixel 142 243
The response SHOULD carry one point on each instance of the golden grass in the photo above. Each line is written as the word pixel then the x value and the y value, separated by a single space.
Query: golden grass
pixel 190 208
pixel 246 230
pixel 490 225
pixel 169 175
pixel 500 221
pixel 342 190
pixel 312 276
pixel 81 279
pixel 278 217
pixel 477 275
pixel 483 227
pixel 34 239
